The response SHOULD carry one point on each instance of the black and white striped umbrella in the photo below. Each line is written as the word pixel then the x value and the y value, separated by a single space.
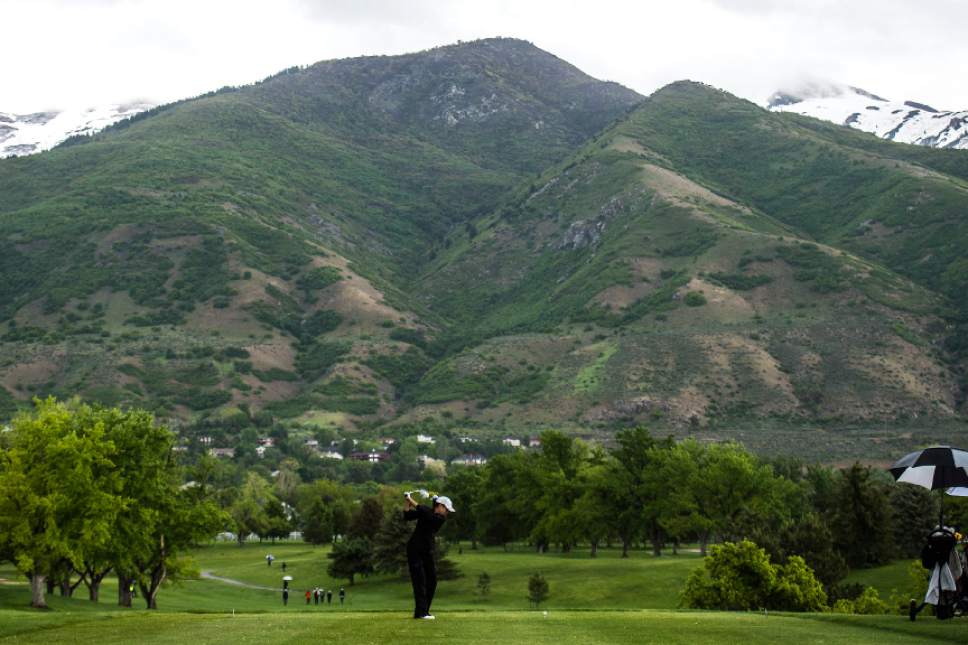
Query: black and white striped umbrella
pixel 933 468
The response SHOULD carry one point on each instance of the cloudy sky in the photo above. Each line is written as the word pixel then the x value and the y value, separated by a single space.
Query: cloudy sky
pixel 64 53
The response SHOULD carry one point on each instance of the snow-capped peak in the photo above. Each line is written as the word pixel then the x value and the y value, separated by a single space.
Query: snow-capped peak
pixel 905 122
pixel 24 134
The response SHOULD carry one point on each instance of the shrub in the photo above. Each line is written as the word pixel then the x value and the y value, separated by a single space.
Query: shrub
pixel 797 588
pixel 234 352
pixel 483 584
pixel 538 589
pixel 275 374
pixel 202 399
pixel 740 576
pixel 402 370
pixel 320 322
pixel 411 336
pixel 313 361
pixel 868 602
pixel 740 281
pixel 695 299
pixel 736 576
pixel 359 406
pixel 319 278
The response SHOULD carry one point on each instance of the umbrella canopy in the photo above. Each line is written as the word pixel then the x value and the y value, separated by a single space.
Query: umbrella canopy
pixel 933 468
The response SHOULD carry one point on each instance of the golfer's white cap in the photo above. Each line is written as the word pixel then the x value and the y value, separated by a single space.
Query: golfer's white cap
pixel 449 505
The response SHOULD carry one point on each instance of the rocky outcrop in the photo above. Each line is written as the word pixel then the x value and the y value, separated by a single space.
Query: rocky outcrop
pixel 585 233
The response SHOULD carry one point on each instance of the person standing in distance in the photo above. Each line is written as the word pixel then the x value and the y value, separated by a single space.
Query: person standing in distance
pixel 420 550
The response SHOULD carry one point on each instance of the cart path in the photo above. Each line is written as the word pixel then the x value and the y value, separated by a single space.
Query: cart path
pixel 208 575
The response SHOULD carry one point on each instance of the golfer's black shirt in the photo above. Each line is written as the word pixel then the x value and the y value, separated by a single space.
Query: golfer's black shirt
pixel 428 523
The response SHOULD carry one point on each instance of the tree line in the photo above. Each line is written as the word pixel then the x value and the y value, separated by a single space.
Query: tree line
pixel 660 493
pixel 86 491
pixel 640 492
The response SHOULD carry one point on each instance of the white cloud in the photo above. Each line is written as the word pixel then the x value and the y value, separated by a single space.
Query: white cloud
pixel 82 52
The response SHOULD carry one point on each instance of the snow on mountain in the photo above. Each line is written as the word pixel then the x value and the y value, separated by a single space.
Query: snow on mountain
pixel 24 134
pixel 907 122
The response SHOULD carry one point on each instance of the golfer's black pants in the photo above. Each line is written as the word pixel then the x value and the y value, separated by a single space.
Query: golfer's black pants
pixel 423 576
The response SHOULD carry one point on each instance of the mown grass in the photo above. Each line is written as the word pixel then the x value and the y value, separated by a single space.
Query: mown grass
pixel 593 600
pixel 578 581
pixel 894 577
pixel 578 628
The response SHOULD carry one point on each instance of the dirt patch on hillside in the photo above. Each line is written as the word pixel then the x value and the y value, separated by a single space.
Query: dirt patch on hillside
pixel 620 296
pixel 624 144
pixel 688 403
pixel 721 303
pixel 780 293
pixel 905 367
pixel 121 233
pixel 169 244
pixel 679 189
pixel 356 298
pixel 273 391
pixel 742 361
pixel 254 289
pixel 266 356
pixel 645 279
pixel 810 360
pixel 32 315
pixel 39 370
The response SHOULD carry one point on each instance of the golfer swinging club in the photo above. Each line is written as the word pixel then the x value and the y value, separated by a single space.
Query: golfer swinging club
pixel 420 550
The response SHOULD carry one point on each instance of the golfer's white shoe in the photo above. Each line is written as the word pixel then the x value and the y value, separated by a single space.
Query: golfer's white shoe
pixel 429 617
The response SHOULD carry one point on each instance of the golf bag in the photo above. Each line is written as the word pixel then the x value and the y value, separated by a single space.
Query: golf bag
pixel 947 584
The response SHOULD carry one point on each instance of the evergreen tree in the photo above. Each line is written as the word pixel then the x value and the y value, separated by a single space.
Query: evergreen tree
pixel 368 519
pixel 915 514
pixel 810 538
pixel 861 521
pixel 538 589
pixel 350 558
pixel 483 584
pixel 446 568
pixel 389 544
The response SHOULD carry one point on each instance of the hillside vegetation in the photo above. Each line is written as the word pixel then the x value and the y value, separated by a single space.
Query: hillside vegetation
pixel 642 283
pixel 232 249
pixel 484 236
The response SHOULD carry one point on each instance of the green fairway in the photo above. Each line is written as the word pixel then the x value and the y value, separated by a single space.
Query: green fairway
pixel 606 599
pixel 648 626
pixel 577 581
pixel 890 577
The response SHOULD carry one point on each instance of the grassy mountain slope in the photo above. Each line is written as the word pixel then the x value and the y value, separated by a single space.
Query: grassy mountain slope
pixel 233 249
pixel 482 236
pixel 640 289
pixel 900 205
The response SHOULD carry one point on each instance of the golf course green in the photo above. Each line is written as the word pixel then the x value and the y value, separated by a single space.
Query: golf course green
pixel 605 599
